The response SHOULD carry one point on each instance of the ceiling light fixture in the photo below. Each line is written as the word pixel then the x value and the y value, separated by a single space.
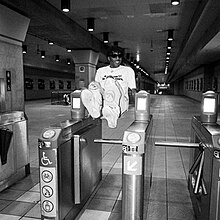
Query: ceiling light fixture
pixel 175 2
pixel 65 5
pixel 42 54
pixel 169 45
pixel 170 35
pixel 69 50
pixel 168 51
pixel 166 69
pixel 50 42
pixel 57 58
pixel 68 61
pixel 90 24
pixel 24 49
pixel 105 37
pixel 138 57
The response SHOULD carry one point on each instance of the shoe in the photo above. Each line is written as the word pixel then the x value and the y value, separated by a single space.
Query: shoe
pixel 93 107
pixel 96 89
pixel 111 96
pixel 112 93
pixel 111 114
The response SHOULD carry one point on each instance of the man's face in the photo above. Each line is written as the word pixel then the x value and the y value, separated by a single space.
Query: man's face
pixel 115 59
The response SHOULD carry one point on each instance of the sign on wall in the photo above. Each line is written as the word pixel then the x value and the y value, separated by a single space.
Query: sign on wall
pixel 8 80
pixel 82 69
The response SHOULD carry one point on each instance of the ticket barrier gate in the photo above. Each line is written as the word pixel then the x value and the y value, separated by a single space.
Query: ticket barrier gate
pixel 204 172
pixel 14 151
pixel 70 167
pixel 204 175
pixel 137 160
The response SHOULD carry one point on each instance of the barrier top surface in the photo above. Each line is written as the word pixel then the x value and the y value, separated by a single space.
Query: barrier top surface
pixel 212 128
pixel 65 129
pixel 140 126
pixel 10 117
pixel 208 134
pixel 64 124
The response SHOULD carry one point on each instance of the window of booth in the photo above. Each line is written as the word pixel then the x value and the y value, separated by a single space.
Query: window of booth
pixel 61 84
pixel 68 84
pixel 41 84
pixel 201 84
pixel 29 83
pixel 52 84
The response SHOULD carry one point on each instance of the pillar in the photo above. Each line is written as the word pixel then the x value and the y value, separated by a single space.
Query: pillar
pixel 85 66
pixel 13 29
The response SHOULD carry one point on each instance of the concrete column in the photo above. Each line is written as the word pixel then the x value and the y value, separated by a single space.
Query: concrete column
pixel 85 66
pixel 13 29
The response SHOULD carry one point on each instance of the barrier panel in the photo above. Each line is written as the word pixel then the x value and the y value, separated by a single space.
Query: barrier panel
pixel 14 151
pixel 70 165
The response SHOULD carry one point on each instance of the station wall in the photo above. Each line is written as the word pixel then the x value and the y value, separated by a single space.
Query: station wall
pixel 39 83
pixel 201 80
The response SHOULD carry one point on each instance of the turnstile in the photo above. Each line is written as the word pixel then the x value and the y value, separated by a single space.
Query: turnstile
pixel 204 172
pixel 70 167
pixel 204 175
pixel 137 160
pixel 14 151
pixel 137 164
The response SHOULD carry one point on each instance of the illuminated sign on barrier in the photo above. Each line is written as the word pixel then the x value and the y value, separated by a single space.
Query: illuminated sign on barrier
pixel 141 104
pixel 209 107
pixel 133 165
pixel 77 107
pixel 76 103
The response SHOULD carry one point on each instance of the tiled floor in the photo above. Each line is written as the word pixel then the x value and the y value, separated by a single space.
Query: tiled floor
pixel 169 197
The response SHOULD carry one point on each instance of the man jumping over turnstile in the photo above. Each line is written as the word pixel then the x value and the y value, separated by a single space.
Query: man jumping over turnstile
pixel 107 96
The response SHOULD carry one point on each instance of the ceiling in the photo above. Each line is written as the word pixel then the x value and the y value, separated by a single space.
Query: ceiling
pixel 139 26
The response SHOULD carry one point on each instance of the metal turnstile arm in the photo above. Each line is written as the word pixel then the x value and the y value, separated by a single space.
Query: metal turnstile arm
pixel 177 144
pixel 199 175
pixel 196 163
pixel 108 141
